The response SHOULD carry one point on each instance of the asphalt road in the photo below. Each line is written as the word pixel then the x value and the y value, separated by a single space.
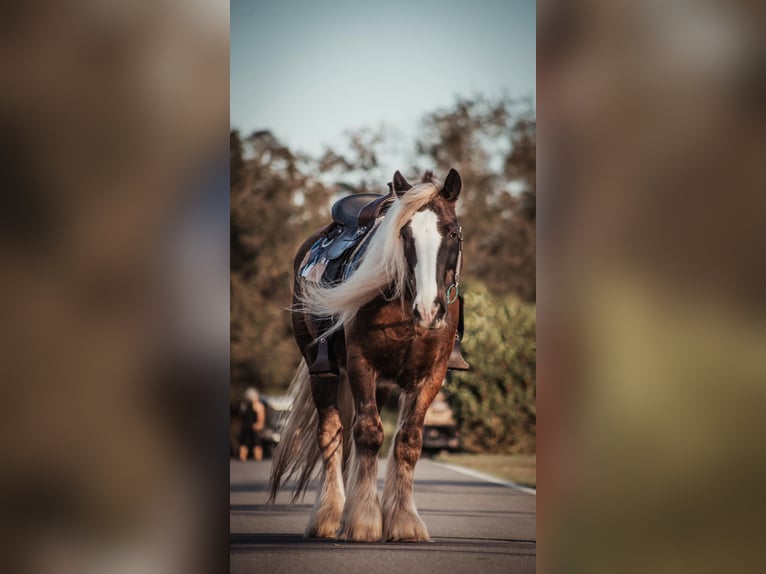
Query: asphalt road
pixel 477 527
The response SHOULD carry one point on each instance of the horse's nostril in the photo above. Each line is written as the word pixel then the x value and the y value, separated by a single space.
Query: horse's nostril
pixel 416 312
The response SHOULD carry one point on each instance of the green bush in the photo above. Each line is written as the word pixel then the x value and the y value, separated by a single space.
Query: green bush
pixel 494 402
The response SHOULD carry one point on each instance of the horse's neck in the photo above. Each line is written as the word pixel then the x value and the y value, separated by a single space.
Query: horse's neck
pixel 395 312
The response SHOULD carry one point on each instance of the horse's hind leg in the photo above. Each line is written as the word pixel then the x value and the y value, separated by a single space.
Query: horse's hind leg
pixel 325 518
pixel 362 520
pixel 400 517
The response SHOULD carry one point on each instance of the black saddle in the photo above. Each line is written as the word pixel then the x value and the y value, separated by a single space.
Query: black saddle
pixel 360 209
pixel 354 216
pixel 347 209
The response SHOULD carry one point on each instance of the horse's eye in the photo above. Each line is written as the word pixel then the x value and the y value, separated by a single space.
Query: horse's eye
pixel 453 234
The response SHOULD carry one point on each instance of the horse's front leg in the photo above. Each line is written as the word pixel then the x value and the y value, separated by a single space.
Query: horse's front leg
pixel 362 520
pixel 401 520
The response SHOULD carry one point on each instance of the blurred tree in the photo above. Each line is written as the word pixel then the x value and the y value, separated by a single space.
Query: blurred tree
pixel 355 167
pixel 492 144
pixel 494 402
pixel 276 201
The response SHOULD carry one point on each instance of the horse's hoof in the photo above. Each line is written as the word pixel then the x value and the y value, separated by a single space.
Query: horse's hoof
pixel 362 522
pixel 406 528
pixel 324 523
pixel 322 533
pixel 362 532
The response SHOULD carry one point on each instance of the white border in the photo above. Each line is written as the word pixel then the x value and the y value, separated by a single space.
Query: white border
pixel 486 477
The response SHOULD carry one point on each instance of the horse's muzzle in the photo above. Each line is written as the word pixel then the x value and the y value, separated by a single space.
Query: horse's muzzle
pixel 433 318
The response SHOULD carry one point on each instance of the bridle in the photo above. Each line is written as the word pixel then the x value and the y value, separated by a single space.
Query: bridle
pixel 453 290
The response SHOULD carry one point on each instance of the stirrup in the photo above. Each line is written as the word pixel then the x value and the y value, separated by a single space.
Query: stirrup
pixel 456 361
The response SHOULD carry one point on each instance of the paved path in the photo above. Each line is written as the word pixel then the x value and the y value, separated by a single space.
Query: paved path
pixel 477 527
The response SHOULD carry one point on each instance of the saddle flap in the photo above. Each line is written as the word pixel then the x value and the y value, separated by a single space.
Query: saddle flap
pixel 325 261
pixel 345 239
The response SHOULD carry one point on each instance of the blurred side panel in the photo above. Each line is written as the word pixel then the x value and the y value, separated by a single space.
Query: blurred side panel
pixel 652 315
pixel 114 286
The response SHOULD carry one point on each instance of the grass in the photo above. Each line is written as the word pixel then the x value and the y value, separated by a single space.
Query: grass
pixel 518 468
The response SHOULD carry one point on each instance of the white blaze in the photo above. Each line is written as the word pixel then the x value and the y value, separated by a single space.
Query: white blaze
pixel 425 233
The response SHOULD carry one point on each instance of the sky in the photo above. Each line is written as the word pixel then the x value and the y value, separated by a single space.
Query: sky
pixel 311 70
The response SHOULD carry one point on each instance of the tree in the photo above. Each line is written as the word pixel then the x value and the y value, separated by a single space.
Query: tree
pixel 494 402
pixel 492 145
pixel 276 202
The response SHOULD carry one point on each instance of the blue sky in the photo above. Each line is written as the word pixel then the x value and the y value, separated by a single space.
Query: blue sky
pixel 309 70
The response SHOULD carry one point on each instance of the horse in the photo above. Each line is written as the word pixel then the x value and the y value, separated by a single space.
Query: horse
pixel 392 322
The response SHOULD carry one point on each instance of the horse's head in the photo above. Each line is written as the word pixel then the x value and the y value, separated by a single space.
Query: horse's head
pixel 432 247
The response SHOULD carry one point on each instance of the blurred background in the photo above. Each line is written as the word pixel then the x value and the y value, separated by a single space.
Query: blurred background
pixel 114 251
pixel 651 286
pixel 329 99
pixel 650 281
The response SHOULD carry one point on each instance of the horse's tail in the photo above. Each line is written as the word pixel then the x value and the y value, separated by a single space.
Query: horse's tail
pixel 298 451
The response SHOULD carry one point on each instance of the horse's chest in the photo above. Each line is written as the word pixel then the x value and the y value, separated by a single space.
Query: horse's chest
pixel 396 349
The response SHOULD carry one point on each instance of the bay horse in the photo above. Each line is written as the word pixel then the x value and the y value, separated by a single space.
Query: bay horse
pixel 391 323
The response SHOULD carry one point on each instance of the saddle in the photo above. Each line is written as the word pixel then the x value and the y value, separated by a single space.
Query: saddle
pixel 361 209
pixel 335 253
pixel 353 217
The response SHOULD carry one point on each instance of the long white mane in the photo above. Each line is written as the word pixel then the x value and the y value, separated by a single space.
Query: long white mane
pixel 383 267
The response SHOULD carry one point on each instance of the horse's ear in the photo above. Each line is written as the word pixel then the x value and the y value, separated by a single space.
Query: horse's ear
pixel 400 184
pixel 452 186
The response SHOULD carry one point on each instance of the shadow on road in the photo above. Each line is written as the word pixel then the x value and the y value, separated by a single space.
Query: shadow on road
pixel 288 543
pixel 476 526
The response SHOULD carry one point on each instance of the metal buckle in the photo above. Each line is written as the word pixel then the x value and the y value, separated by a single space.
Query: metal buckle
pixel 452 293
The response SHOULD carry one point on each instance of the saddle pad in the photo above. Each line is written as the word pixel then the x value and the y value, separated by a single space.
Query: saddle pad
pixel 333 258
